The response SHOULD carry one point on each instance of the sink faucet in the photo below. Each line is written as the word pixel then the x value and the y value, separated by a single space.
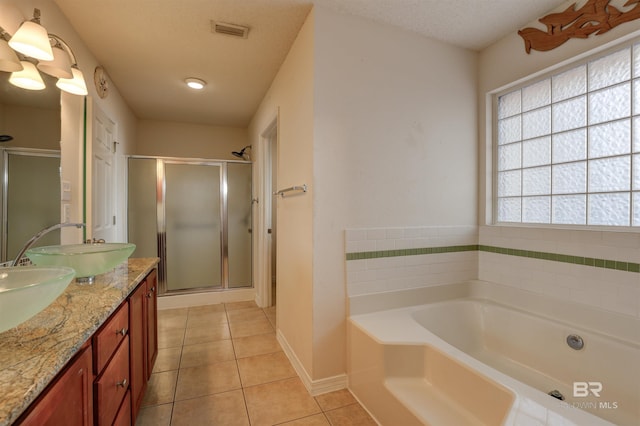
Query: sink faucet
pixel 40 234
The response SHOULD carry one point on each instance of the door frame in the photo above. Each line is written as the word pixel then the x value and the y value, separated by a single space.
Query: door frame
pixel 264 204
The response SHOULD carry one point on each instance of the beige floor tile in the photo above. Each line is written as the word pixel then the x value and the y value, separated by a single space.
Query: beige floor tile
pixel 316 420
pixel 176 312
pixel 240 305
pixel 170 338
pixel 270 312
pixel 157 415
pixel 331 400
pixel 251 328
pixel 223 409
pixel 218 307
pixel 161 388
pixel 168 359
pixel 249 314
pixel 260 369
pixel 207 379
pixel 351 415
pixel 211 333
pixel 256 345
pixel 206 353
pixel 167 323
pixel 279 402
pixel 206 319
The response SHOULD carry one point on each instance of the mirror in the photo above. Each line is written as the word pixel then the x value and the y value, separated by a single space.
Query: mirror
pixel 30 164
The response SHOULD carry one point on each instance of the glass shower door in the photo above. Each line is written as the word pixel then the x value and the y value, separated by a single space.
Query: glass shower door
pixel 239 224
pixel 193 231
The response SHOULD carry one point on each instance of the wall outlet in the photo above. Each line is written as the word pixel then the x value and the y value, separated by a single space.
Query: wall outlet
pixel 66 213
pixel 65 190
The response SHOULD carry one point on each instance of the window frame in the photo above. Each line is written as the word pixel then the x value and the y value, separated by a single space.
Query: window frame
pixel 535 78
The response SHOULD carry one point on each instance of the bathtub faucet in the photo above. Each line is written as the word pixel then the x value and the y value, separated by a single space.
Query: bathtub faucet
pixel 41 234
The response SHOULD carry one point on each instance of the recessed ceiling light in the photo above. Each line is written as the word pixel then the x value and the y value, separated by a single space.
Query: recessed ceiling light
pixel 195 83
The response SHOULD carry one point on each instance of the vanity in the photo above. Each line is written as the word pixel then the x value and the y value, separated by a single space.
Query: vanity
pixel 87 357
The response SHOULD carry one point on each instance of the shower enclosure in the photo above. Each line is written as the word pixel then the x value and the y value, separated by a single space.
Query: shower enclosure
pixel 195 215
pixel 30 197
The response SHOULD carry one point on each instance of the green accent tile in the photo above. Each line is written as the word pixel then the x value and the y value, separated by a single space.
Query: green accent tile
pixel 633 267
pixel 589 261
pixel 610 264
pixel 622 266
pixel 599 263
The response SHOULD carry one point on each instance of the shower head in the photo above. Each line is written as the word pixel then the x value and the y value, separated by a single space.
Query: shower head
pixel 241 154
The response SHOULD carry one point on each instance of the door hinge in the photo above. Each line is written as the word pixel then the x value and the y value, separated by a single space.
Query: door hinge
pixel 114 220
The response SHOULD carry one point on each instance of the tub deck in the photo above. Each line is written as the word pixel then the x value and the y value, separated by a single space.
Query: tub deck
pixel 508 359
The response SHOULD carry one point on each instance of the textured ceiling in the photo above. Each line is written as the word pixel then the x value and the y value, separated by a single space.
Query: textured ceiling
pixel 148 47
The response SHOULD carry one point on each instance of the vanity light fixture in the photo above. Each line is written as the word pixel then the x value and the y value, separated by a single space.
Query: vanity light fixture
pixel 29 78
pixel 60 66
pixel 55 56
pixel 9 61
pixel 195 83
pixel 32 39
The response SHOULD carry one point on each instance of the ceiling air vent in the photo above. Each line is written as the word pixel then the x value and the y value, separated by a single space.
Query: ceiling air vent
pixel 229 29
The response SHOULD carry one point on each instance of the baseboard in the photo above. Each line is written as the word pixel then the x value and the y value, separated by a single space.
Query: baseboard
pixel 315 387
pixel 205 298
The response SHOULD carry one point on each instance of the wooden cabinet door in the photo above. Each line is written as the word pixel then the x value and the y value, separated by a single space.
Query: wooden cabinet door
pixel 137 342
pixel 152 320
pixel 69 400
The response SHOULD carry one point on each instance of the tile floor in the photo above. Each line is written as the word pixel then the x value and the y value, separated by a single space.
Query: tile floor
pixel 222 365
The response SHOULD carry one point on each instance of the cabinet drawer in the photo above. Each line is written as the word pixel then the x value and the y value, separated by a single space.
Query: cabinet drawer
pixel 124 413
pixel 107 339
pixel 112 386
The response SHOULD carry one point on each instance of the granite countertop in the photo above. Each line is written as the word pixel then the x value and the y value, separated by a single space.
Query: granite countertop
pixel 32 353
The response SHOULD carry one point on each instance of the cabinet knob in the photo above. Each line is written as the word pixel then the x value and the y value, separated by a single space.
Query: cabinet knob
pixel 123 383
pixel 122 332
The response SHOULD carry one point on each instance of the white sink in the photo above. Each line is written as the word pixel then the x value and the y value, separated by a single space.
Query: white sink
pixel 26 290
pixel 88 260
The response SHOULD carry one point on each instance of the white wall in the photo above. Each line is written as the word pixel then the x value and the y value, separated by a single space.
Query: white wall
pixel 501 64
pixel 168 139
pixel 394 146
pixel 290 101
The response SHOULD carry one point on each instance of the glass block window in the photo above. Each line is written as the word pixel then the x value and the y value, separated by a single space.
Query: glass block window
pixel 568 146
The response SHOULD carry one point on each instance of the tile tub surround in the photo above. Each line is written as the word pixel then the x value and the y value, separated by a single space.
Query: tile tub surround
pixel 35 351
pixel 597 268
pixel 391 259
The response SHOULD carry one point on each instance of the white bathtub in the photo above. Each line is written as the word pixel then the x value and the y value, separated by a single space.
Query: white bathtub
pixel 514 339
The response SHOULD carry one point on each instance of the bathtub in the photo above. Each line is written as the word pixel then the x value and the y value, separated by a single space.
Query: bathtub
pixel 503 350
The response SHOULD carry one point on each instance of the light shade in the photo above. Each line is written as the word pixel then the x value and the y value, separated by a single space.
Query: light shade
pixel 60 66
pixel 75 85
pixel 9 61
pixel 32 40
pixel 195 83
pixel 29 78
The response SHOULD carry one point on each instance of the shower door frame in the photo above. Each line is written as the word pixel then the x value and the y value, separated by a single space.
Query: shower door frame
pixel 6 152
pixel 161 221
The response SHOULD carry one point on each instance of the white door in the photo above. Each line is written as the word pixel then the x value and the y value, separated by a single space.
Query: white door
pixel 103 177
